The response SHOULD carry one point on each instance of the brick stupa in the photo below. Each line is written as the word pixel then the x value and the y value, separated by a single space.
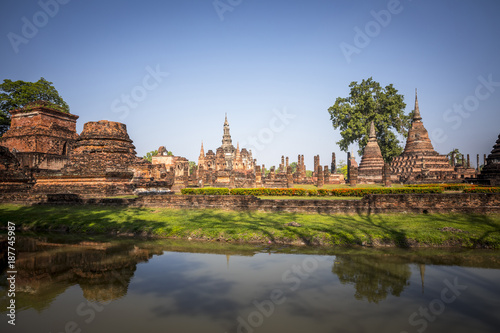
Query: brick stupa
pixel 100 163
pixel 372 163
pixel 103 147
pixel 490 174
pixel 419 162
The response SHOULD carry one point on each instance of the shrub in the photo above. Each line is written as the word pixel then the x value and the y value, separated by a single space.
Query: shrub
pixel 205 191
pixel 312 193
pixel 446 187
pixel 341 192
pixel 482 190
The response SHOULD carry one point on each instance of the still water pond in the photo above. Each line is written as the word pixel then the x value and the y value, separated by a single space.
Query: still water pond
pixel 70 285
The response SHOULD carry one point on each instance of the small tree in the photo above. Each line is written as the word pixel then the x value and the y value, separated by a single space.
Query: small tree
pixel 458 156
pixel 149 155
pixel 293 165
pixel 342 168
pixel 192 166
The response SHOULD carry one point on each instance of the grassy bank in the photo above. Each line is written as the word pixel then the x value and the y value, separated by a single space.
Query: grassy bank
pixel 402 230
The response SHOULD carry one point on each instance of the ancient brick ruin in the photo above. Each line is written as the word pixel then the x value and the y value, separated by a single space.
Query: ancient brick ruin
pixel 13 177
pixel 490 174
pixel 40 137
pixel 100 163
pixel 42 154
pixel 370 169
pixel 227 167
pixel 420 163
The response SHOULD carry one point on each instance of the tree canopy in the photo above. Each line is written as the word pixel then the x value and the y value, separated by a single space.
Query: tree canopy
pixel 368 102
pixel 458 156
pixel 17 94
pixel 149 155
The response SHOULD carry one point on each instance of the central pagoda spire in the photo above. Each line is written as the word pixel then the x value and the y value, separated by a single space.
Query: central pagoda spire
pixel 416 115
pixel 418 141
pixel 226 138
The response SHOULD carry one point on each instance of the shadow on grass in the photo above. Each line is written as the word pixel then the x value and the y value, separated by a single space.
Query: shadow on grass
pixel 398 230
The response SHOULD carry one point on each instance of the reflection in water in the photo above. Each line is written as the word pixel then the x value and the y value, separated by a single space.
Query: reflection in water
pixel 157 286
pixel 46 269
pixel 374 277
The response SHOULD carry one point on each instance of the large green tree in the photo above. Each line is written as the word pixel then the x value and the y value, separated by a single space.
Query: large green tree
pixel 16 94
pixel 368 102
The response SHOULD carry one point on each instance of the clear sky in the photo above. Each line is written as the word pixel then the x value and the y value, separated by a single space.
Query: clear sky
pixel 171 69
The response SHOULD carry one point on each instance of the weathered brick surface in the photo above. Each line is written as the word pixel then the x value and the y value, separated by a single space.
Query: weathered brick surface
pixel 41 130
pixel 420 163
pixel 100 164
pixel 481 203
pixel 491 171
pixel 372 163
pixel 13 178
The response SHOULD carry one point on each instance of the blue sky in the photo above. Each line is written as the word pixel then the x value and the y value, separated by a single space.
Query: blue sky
pixel 171 69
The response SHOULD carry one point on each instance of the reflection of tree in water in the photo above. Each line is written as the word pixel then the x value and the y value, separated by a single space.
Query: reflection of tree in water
pixel 374 277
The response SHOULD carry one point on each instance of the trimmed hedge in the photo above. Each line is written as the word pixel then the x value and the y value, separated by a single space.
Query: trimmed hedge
pixel 482 190
pixel 205 191
pixel 269 191
pixel 446 187
pixel 341 192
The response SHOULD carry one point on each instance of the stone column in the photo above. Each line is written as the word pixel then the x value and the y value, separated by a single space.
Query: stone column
pixel 484 160
pixel 289 177
pixel 477 165
pixel 453 159
pixel 386 175
pixel 353 176
pixel 320 180
pixel 287 164
pixel 334 163
pixel 348 166
pixel 302 168
pixel 468 161
pixel 326 175
pixel 316 165
pixel 258 176
pixel 298 171
pixel 186 174
pixel 231 180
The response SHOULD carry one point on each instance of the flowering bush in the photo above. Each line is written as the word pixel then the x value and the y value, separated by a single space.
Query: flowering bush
pixel 205 191
pixel 482 190
pixel 341 192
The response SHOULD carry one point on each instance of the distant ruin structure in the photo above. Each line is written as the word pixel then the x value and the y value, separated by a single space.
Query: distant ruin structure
pixel 370 169
pixel 40 137
pixel 420 163
pixel 490 174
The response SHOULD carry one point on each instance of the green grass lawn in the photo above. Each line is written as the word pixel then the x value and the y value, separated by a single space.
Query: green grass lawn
pixel 402 230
